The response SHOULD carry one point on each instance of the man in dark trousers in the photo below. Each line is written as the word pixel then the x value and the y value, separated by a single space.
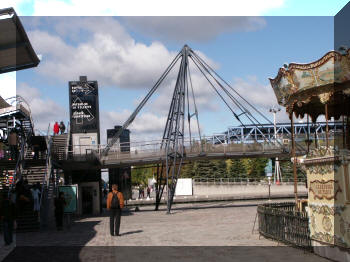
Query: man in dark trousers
pixel 115 203
pixel 60 203
pixel 8 217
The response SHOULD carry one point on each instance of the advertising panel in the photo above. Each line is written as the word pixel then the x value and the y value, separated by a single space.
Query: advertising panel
pixel 71 197
pixel 83 106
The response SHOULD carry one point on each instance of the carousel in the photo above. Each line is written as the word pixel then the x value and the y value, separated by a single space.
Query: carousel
pixel 321 89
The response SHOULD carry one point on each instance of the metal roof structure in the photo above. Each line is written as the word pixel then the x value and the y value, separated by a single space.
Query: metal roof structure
pixel 16 51
pixel 3 103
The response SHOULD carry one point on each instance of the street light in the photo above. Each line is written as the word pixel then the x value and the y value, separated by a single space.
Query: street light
pixel 277 174
pixel 274 111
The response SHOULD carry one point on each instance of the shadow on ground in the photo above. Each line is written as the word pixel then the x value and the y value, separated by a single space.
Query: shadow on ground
pixel 169 254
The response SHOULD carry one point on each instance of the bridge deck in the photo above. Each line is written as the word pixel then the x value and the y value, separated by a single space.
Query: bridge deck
pixel 208 151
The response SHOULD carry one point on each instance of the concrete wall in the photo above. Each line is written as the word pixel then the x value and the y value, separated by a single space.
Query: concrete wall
pixel 232 189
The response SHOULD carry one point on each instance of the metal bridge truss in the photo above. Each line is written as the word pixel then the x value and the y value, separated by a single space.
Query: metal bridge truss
pixel 258 134
pixel 183 108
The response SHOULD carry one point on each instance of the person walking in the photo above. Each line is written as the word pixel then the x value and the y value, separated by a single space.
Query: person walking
pixel 148 192
pixel 8 217
pixel 115 203
pixel 36 197
pixel 13 143
pixel 60 203
pixel 62 127
pixel 56 129
pixel 140 192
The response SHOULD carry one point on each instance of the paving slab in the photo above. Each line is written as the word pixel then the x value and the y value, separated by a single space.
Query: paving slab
pixel 201 233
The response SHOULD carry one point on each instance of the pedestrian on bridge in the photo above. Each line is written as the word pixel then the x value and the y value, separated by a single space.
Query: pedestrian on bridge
pixel 115 203
pixel 62 127
pixel 56 129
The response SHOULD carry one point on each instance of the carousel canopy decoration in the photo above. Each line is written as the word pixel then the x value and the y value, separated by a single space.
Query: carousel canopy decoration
pixel 306 88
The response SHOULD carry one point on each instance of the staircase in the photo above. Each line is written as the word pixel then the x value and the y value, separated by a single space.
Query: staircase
pixel 59 146
pixel 34 171
pixel 27 220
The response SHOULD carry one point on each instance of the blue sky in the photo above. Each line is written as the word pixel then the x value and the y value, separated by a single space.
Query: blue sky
pixel 127 54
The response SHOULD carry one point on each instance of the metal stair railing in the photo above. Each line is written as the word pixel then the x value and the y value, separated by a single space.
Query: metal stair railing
pixel 44 201
pixel 17 174
pixel 67 142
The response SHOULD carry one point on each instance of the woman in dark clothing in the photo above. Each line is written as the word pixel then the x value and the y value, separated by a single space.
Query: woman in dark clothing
pixel 8 217
pixel 60 202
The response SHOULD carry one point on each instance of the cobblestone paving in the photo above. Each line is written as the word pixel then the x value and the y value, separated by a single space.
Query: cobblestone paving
pixel 220 227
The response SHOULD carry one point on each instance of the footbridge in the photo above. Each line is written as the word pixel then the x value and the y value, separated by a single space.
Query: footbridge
pixel 152 153
pixel 237 142
pixel 178 144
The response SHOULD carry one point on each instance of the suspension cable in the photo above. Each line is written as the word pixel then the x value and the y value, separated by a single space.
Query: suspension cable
pixel 194 102
pixel 234 89
pixel 140 106
pixel 236 116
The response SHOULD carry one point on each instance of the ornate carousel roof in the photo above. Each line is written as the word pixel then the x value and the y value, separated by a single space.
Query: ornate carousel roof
pixel 306 88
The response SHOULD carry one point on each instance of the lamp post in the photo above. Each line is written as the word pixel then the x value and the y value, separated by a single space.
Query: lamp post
pixel 277 174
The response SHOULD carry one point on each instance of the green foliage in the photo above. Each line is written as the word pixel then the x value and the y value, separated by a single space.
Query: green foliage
pixel 140 175
pixel 236 168
pixel 256 167
pixel 203 168
pixel 219 168
pixel 187 170
pixel 287 169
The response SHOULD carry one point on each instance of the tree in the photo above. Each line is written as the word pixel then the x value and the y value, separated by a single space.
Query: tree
pixel 140 175
pixel 187 170
pixel 219 168
pixel 203 168
pixel 256 167
pixel 237 168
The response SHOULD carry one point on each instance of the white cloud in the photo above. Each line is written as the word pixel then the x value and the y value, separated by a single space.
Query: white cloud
pixel 8 85
pixel 147 126
pixel 263 98
pixel 111 56
pixel 154 7
pixel 192 28
pixel 44 110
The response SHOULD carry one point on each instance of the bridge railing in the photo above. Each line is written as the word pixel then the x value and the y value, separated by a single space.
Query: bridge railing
pixel 191 147
pixel 195 147
pixel 241 181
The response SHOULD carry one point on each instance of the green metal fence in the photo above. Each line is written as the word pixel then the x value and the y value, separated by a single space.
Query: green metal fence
pixel 280 221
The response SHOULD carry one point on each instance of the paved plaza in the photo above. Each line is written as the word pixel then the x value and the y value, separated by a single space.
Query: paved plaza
pixel 227 226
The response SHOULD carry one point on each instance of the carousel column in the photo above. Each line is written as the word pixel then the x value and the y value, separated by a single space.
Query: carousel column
pixel 343 132
pixel 294 160
pixel 327 127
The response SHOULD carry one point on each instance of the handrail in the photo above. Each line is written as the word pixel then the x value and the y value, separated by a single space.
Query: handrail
pixel 67 142
pixel 246 180
pixel 48 167
pixel 18 165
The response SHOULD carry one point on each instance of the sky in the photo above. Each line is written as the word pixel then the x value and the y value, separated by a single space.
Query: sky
pixel 127 54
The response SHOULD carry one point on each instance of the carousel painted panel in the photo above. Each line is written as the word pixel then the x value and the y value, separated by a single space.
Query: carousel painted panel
pixel 328 199
pixel 332 67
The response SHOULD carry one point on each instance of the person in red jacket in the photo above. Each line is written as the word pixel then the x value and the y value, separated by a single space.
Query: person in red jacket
pixel 56 128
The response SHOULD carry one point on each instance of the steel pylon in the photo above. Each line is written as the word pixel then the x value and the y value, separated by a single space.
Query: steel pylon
pixel 168 171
